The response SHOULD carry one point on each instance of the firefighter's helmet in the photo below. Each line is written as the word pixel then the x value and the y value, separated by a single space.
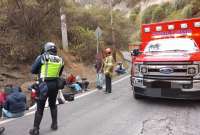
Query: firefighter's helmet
pixel 108 50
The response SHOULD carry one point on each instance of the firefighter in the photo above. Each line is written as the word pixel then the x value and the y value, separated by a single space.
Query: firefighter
pixel 108 69
pixel 49 68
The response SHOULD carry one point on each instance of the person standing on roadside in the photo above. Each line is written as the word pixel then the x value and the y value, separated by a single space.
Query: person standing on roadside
pixel 108 69
pixel 49 68
pixel 99 74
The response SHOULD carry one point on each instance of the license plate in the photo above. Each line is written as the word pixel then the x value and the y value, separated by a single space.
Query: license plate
pixel 159 84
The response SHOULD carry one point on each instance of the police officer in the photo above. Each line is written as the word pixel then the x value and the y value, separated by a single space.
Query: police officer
pixel 49 67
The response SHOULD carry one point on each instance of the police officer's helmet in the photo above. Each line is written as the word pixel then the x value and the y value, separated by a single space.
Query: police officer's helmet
pixel 50 47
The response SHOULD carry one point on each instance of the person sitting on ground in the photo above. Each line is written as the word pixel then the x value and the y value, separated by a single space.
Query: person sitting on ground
pixel 34 89
pixel 2 101
pixel 15 104
pixel 120 68
pixel 71 82
pixel 82 82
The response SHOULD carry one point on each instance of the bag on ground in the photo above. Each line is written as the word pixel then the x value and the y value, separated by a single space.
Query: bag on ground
pixel 60 97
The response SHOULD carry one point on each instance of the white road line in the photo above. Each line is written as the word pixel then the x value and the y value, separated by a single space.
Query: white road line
pixel 95 90
pixel 76 97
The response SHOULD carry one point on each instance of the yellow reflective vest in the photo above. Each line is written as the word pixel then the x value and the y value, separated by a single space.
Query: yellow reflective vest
pixel 51 66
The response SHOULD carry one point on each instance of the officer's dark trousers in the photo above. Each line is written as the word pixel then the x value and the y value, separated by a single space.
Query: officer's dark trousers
pixel 108 84
pixel 51 95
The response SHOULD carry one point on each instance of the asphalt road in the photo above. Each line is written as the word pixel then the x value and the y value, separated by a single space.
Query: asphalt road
pixel 117 114
pixel 127 55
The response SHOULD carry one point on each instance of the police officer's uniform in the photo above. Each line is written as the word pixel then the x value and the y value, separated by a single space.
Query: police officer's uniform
pixel 49 67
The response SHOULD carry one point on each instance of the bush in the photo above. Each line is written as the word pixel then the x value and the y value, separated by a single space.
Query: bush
pixel 167 7
pixel 135 38
pixel 28 24
pixel 134 13
pixel 195 7
pixel 175 15
pixel 158 14
pixel 147 14
pixel 187 11
pixel 133 17
pixel 83 42
pixel 31 23
pixel 180 4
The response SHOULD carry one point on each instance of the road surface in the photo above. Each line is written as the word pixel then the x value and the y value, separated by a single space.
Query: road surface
pixel 116 114
pixel 127 55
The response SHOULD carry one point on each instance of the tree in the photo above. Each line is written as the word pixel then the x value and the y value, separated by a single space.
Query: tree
pixel 147 14
pixel 187 11
pixel 179 4
pixel 158 14
pixel 195 7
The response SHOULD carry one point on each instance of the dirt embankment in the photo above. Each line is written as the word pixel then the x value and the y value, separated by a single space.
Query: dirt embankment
pixel 20 74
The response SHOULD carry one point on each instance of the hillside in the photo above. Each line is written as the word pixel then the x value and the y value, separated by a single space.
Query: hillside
pixel 161 10
pixel 26 25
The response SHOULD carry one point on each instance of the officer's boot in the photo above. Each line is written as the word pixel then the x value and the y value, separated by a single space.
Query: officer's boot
pixel 54 125
pixel 35 130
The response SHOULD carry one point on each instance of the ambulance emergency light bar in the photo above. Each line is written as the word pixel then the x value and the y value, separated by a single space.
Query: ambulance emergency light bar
pixel 159 28
pixel 184 26
pixel 197 24
pixel 171 27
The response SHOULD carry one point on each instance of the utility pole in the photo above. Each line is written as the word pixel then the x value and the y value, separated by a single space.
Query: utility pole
pixel 63 29
pixel 98 33
pixel 112 31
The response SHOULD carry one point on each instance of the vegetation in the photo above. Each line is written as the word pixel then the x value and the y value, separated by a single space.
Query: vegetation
pixel 25 25
pixel 28 24
pixel 176 9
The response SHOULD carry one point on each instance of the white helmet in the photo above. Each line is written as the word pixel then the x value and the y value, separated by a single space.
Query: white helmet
pixel 50 47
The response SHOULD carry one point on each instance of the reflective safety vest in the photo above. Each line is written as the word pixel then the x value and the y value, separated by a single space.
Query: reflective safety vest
pixel 51 66
pixel 108 65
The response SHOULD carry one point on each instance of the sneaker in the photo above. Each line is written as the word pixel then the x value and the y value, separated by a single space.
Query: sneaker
pixel 34 131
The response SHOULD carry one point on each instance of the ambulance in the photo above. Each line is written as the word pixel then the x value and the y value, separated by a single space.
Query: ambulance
pixel 167 64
